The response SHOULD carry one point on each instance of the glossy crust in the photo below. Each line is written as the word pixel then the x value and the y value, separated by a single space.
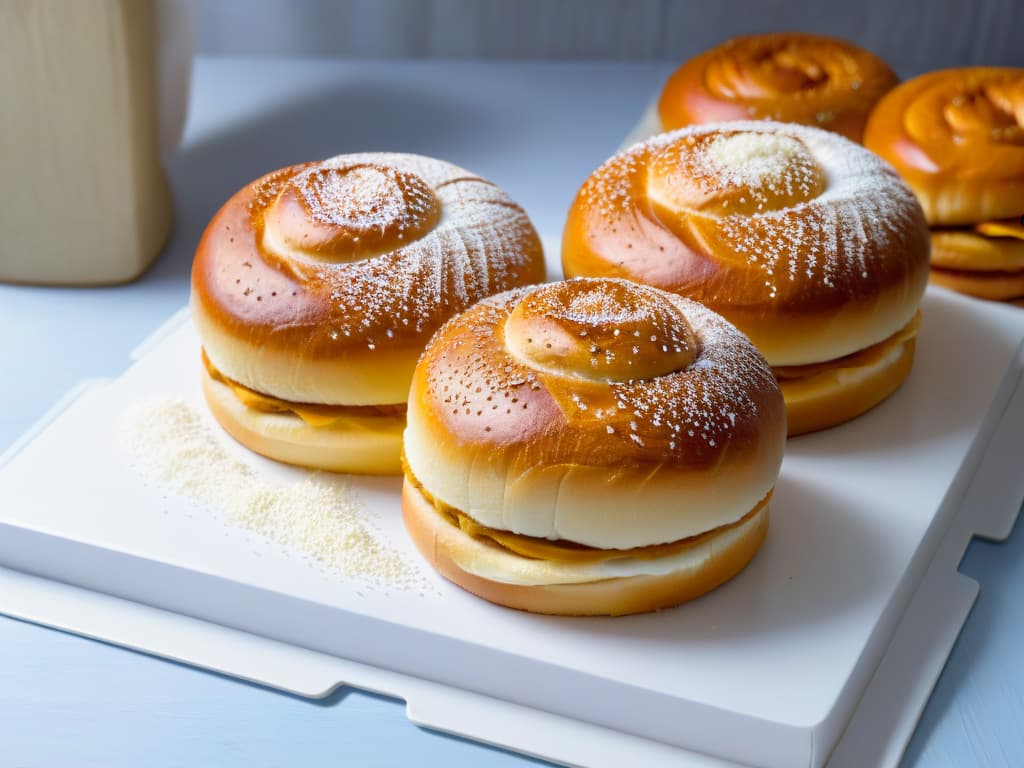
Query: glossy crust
pixel 789 77
pixel 957 137
pixel 808 243
pixel 578 449
pixel 453 552
pixel 321 283
pixel 358 445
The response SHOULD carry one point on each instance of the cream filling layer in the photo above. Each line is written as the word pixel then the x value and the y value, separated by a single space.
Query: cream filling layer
pixel 504 566
pixel 385 418
pixel 811 386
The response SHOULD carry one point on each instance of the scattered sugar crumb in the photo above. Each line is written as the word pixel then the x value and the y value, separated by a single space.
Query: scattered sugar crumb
pixel 324 520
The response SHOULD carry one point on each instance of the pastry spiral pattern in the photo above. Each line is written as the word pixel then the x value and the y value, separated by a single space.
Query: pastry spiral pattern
pixel 807 242
pixel 524 407
pixel 321 277
pixel 790 77
pixel 957 137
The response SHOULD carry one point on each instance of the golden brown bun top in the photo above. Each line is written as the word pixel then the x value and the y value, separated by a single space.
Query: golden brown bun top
pixel 790 77
pixel 807 242
pixel 957 137
pixel 355 258
pixel 645 398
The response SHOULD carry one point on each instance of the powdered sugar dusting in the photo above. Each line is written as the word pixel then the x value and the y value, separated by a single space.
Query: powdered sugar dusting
pixel 615 309
pixel 838 241
pixel 603 310
pixel 759 161
pixel 608 330
pixel 471 255
pixel 482 243
pixel 368 197
pixel 695 411
pixel 842 237
pixel 701 402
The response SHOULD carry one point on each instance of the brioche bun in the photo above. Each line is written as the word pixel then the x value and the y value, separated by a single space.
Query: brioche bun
pixel 320 284
pixel 957 138
pixel 598 412
pixel 807 242
pixel 790 77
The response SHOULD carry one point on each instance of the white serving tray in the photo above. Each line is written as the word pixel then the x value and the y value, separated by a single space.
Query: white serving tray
pixel 766 671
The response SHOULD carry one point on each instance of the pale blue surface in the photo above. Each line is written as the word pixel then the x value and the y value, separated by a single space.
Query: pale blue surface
pixel 535 128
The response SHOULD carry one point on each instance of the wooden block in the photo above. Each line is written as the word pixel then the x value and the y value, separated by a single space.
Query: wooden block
pixel 85 200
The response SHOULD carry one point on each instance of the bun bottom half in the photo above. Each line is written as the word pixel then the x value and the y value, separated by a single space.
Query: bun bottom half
pixel 977 265
pixel 716 559
pixel 835 396
pixel 965 250
pixel 361 445
pixel 995 286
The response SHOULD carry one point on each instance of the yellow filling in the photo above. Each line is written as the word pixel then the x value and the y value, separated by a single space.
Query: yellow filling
pixel 1002 228
pixel 314 415
pixel 860 359
pixel 561 550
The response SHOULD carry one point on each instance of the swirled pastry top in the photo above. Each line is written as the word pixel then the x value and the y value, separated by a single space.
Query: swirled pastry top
pixel 789 77
pixel 809 243
pixel 957 137
pixel 533 403
pixel 321 283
